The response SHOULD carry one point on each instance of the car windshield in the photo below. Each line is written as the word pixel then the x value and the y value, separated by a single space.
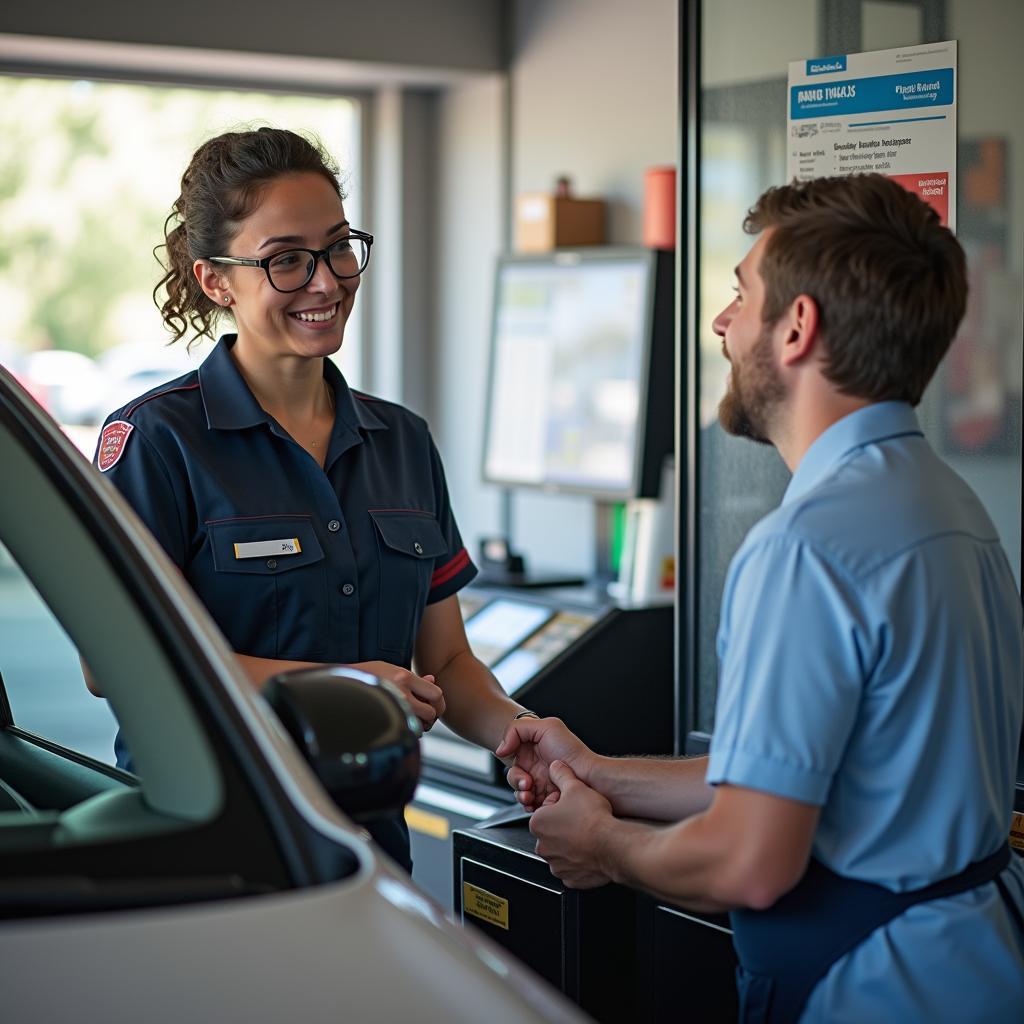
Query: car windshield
pixel 64 607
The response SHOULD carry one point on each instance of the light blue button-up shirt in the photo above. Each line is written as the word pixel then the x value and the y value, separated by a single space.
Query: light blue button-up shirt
pixel 871 653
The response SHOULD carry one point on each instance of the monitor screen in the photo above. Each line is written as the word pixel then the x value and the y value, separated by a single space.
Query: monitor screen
pixel 499 627
pixel 569 362
pixel 523 663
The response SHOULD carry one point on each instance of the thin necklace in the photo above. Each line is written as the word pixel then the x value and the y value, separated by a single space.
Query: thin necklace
pixel 330 403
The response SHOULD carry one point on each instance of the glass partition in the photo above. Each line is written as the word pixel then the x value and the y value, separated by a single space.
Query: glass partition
pixel 972 410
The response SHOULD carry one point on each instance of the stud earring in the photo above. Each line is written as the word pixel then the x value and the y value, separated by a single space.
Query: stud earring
pixel 227 300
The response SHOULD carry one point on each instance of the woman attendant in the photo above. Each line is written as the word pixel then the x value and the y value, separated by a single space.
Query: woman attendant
pixel 312 520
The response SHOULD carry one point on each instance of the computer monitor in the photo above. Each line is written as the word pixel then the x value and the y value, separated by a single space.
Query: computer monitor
pixel 501 625
pixel 580 395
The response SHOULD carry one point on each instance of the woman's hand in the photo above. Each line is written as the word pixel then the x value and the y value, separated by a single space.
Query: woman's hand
pixel 533 744
pixel 425 697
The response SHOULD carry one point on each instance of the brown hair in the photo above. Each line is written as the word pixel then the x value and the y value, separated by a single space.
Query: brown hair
pixel 889 280
pixel 219 189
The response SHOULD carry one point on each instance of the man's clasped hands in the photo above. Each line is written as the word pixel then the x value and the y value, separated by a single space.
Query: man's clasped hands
pixel 557 777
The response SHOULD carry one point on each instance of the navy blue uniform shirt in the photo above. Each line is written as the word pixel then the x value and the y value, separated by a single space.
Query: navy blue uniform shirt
pixel 292 561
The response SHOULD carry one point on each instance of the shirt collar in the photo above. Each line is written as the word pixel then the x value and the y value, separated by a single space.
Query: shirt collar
pixel 880 421
pixel 230 405
pixel 228 402
pixel 350 411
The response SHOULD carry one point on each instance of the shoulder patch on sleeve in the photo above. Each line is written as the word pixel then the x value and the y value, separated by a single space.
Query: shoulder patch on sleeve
pixel 112 443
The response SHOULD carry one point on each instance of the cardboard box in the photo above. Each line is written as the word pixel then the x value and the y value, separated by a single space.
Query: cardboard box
pixel 545 222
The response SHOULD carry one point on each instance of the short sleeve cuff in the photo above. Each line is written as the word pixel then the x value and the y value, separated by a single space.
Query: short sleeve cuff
pixel 755 771
pixel 450 577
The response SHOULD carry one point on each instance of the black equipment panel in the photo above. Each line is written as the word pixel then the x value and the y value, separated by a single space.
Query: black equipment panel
pixel 684 960
pixel 582 942
pixel 606 669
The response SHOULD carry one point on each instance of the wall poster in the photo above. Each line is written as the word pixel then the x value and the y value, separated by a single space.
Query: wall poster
pixel 890 111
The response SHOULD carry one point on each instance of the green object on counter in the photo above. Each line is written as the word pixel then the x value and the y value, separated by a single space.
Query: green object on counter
pixel 618 535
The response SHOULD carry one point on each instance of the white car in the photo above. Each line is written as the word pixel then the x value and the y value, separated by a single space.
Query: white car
pixel 222 883
pixel 65 383
pixel 133 368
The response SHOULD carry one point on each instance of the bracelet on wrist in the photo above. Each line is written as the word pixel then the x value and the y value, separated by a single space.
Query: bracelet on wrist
pixel 525 714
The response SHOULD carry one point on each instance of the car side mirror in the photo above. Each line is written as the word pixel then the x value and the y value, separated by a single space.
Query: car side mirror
pixel 356 731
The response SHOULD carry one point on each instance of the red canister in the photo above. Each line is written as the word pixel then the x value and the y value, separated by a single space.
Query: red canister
pixel 660 208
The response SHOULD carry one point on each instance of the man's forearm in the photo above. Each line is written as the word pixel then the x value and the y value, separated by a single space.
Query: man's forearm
pixel 662 789
pixel 746 850
pixel 685 864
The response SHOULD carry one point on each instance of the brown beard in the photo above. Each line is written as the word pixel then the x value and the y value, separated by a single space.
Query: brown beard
pixel 755 391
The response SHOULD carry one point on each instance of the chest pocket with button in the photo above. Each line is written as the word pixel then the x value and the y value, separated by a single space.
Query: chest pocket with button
pixel 407 544
pixel 272 604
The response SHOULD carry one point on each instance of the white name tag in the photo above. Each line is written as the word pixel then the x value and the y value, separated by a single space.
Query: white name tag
pixel 263 548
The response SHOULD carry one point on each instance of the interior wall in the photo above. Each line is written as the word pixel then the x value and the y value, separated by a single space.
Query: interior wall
pixel 593 96
pixel 472 151
pixel 398 361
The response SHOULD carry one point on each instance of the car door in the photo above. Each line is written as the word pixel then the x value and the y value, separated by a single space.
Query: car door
pixel 218 883
pixel 79 583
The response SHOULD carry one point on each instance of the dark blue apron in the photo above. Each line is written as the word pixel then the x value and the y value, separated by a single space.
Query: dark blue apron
pixel 786 950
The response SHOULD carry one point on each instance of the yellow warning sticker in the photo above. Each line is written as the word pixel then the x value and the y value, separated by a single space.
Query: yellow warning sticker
pixel 1017 831
pixel 433 825
pixel 485 905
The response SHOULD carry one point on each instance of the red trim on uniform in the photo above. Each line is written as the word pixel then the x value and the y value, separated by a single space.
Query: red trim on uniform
pixel 411 511
pixel 159 394
pixel 450 570
pixel 365 398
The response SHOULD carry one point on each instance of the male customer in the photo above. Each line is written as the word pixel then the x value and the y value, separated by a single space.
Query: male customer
pixel 854 810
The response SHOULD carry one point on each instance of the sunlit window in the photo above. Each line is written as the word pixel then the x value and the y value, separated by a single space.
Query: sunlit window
pixel 88 173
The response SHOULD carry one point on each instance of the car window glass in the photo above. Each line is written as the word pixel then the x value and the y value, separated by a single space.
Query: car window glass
pixel 42 675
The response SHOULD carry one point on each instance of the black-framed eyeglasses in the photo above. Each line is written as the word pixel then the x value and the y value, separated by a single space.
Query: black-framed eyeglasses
pixel 292 269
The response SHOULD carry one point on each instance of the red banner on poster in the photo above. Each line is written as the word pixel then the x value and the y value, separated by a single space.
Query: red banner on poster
pixel 932 188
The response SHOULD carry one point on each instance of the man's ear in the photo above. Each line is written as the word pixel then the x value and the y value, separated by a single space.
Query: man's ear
pixel 213 282
pixel 801 323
